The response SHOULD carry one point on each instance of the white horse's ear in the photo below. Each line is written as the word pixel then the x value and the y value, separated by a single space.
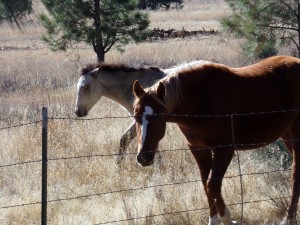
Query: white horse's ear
pixel 93 74
pixel 161 90
pixel 137 89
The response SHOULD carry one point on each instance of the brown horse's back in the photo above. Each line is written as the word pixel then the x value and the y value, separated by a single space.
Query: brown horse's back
pixel 272 85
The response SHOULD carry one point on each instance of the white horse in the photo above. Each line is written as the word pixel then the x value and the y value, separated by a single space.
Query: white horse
pixel 115 82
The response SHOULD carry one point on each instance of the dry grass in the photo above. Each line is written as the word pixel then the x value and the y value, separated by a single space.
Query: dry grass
pixel 194 16
pixel 33 77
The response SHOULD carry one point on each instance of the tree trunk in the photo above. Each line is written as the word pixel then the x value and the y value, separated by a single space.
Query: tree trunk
pixel 98 46
pixel 11 11
pixel 298 47
pixel 298 19
pixel 142 4
pixel 100 55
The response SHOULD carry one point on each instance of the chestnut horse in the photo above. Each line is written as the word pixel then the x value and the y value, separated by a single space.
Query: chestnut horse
pixel 220 109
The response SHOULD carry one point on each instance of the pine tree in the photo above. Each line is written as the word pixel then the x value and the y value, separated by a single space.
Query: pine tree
pixel 100 23
pixel 265 24
pixel 14 10
pixel 156 4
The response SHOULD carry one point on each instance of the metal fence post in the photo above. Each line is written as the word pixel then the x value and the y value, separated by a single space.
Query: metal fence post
pixel 44 165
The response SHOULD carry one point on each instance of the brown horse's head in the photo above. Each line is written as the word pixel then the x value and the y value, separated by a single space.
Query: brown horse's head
pixel 149 113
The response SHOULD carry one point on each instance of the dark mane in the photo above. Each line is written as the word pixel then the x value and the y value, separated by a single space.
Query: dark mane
pixel 113 68
pixel 89 67
pixel 155 68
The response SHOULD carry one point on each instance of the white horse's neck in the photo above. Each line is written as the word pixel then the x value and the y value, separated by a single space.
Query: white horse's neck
pixel 117 89
pixel 117 86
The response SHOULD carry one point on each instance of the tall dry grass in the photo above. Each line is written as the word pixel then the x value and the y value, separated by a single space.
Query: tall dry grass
pixel 32 77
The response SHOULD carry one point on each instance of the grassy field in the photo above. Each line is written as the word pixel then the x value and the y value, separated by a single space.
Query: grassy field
pixel 32 76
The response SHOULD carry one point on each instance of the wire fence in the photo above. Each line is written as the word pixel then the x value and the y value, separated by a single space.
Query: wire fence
pixel 239 175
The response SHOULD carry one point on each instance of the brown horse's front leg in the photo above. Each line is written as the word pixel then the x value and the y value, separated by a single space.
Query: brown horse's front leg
pixel 204 161
pixel 292 209
pixel 220 162
pixel 291 139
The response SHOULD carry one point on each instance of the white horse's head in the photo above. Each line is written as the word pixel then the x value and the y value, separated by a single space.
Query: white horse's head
pixel 89 91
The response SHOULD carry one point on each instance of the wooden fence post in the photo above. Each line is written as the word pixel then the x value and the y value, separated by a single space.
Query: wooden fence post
pixel 44 165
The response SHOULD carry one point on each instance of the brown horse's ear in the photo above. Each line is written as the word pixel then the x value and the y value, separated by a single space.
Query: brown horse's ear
pixel 161 90
pixel 137 89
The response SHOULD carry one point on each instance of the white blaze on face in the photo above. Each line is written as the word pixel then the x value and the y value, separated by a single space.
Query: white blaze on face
pixel 148 111
pixel 79 85
pixel 80 82
pixel 81 97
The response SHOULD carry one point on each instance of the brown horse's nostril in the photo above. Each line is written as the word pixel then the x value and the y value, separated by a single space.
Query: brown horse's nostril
pixel 145 159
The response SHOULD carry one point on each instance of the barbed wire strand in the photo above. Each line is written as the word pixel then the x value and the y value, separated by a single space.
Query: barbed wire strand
pixel 21 163
pixel 237 146
pixel 188 210
pixel 140 188
pixel 167 114
pixel 90 119
pixel 132 154
pixel 158 185
pixel 19 205
pixel 179 115
pixel 20 125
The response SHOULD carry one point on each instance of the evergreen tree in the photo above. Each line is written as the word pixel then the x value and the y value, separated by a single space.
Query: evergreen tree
pixel 14 10
pixel 102 24
pixel 265 24
pixel 155 4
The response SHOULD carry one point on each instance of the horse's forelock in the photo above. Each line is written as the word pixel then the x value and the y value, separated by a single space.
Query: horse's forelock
pixel 88 68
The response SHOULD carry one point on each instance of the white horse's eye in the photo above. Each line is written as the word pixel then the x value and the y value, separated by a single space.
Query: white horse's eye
pixel 87 88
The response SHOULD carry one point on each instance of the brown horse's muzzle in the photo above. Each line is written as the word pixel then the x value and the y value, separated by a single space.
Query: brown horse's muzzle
pixel 146 158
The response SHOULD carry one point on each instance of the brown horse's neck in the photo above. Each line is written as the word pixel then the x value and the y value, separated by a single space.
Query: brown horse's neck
pixel 173 95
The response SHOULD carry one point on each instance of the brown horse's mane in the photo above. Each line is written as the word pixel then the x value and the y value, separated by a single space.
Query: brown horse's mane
pixel 113 68
pixel 173 91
